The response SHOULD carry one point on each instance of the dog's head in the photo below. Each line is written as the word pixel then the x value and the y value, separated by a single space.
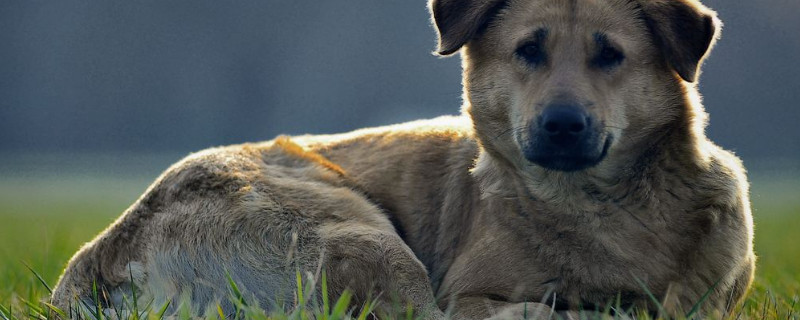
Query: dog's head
pixel 559 83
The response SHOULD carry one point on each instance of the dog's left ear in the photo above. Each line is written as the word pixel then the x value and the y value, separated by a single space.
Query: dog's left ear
pixel 458 21
pixel 684 30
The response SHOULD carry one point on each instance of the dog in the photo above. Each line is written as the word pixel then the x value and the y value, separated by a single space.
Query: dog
pixel 578 177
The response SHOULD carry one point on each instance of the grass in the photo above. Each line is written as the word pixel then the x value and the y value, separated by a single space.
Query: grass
pixel 44 220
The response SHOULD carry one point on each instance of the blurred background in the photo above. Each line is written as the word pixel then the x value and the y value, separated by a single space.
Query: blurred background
pixel 169 77
pixel 97 97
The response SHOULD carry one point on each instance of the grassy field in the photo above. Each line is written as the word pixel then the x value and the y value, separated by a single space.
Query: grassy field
pixel 45 219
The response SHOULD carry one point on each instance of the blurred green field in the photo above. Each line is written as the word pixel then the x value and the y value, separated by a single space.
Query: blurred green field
pixel 45 219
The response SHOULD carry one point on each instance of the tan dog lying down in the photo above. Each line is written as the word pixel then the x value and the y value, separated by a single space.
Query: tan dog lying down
pixel 578 176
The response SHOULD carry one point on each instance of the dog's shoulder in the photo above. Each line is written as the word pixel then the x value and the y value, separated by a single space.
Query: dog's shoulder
pixel 723 178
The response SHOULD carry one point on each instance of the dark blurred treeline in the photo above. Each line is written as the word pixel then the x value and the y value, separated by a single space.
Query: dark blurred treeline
pixel 176 76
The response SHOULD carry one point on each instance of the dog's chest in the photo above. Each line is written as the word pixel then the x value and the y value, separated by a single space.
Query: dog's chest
pixel 613 249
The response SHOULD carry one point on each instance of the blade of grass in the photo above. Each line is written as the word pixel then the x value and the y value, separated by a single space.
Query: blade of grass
pixel 98 310
pixel 32 307
pixel 38 276
pixel 36 316
pixel 774 303
pixel 326 307
pixel 765 305
pixel 366 310
pixel 741 309
pixel 238 302
pixel 146 309
pixel 525 311
pixel 300 297
pixel 235 289
pixel 705 296
pixel 117 310
pixel 160 314
pixel 220 313
pixel 86 306
pixel 5 313
pixel 55 309
pixel 184 309
pixel 135 311
pixel 340 308
pixel 300 308
pixel 652 297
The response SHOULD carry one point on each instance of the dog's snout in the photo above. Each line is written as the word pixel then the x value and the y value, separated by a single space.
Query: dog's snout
pixel 564 124
pixel 564 138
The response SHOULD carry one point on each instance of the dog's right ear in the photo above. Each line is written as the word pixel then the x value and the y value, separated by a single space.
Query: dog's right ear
pixel 685 30
pixel 458 21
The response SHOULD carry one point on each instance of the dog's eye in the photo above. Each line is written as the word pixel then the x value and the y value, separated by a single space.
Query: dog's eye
pixel 607 58
pixel 532 53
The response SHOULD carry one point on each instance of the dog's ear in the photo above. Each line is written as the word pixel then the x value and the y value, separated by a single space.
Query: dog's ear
pixel 684 31
pixel 458 21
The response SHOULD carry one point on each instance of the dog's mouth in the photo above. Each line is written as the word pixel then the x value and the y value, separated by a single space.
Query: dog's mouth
pixel 580 156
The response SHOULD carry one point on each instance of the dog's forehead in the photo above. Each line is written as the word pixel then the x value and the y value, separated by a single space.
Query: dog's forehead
pixel 617 17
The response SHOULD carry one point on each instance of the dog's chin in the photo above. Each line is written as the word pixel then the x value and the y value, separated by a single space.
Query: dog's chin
pixel 569 161
pixel 566 164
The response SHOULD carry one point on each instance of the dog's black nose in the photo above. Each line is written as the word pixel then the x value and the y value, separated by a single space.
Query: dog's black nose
pixel 565 137
pixel 564 124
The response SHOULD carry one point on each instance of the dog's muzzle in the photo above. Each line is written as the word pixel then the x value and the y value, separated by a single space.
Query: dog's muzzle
pixel 565 138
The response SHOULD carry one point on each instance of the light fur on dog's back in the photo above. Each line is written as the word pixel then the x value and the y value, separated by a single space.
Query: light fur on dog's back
pixel 465 214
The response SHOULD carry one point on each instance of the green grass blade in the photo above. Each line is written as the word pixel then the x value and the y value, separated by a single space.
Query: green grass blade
pixel 525 311
pixel 366 310
pixel 326 306
pixel 135 311
pixel 184 309
pixel 33 307
pixel 96 298
pixel 652 297
pixel 696 306
pixel 5 313
pixel 55 309
pixel 38 276
pixel 146 309
pixel 36 316
pixel 235 290
pixel 790 312
pixel 300 297
pixel 84 307
pixel 239 301
pixel 163 310
pixel 340 308
pixel 81 313
pixel 220 313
